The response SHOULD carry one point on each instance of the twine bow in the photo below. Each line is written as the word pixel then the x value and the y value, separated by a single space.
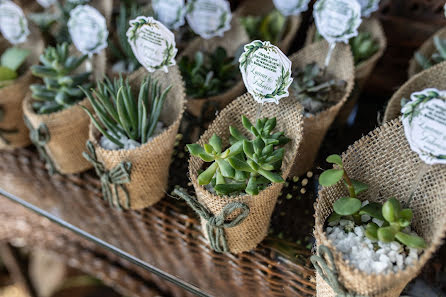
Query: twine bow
pixel 5 131
pixel 216 225
pixel 117 176
pixel 40 137
pixel 330 274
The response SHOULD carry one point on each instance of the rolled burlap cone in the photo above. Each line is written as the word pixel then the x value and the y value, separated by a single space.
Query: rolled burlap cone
pixel 364 68
pixel 145 168
pixel 426 49
pixel 13 131
pixel 384 161
pixel 316 126
pixel 253 229
pixel 429 78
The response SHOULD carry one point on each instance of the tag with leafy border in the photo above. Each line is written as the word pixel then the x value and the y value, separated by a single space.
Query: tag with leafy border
pixel 152 43
pixel 209 18
pixel 169 12
pixel 424 120
pixel 46 3
pixel 13 24
pixel 368 7
pixel 88 29
pixel 337 20
pixel 291 7
pixel 266 71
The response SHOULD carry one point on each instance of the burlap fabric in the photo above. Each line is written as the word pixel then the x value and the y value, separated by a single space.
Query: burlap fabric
pixel 12 96
pixel 253 229
pixel 384 161
pixel 426 49
pixel 316 126
pixel 429 78
pixel 262 7
pixel 231 41
pixel 149 162
pixel 363 69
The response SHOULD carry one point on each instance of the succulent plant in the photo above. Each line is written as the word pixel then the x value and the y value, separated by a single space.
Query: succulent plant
pixel 10 62
pixel 119 113
pixel 61 81
pixel 270 27
pixel 314 89
pixel 438 56
pixel 394 219
pixel 247 165
pixel 208 74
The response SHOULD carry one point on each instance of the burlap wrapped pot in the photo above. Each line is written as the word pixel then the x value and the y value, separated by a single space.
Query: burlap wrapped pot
pixel 316 126
pixel 251 231
pixel 363 69
pixel 148 164
pixel 426 49
pixel 429 78
pixel 384 161
pixel 13 131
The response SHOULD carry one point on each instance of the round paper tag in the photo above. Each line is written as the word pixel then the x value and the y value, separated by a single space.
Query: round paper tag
pixel 291 7
pixel 424 120
pixel 46 3
pixel 368 7
pixel 13 24
pixel 152 43
pixel 88 29
pixel 266 71
pixel 337 20
pixel 169 12
pixel 209 18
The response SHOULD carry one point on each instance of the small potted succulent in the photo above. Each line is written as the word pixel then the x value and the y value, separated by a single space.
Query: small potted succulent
pixel 15 78
pixel 372 237
pixel 132 135
pixel 238 168
pixel 322 92
pixel 53 110
pixel 431 52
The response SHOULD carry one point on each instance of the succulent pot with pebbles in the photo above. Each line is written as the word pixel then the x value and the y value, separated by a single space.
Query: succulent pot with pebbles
pixel 15 79
pixel 367 48
pixel 53 110
pixel 322 95
pixel 429 78
pixel 248 173
pixel 263 22
pixel 132 135
pixel 374 260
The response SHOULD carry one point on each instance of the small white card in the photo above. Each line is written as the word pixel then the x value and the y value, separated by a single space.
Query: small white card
pixel 13 24
pixel 170 12
pixel 424 120
pixel 46 3
pixel 209 18
pixel 291 7
pixel 152 43
pixel 368 7
pixel 266 71
pixel 88 29
pixel 337 20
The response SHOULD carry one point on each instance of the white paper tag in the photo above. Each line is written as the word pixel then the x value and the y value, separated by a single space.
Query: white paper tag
pixel 368 7
pixel 88 29
pixel 337 20
pixel 170 12
pixel 266 71
pixel 209 18
pixel 78 1
pixel 291 7
pixel 152 43
pixel 46 3
pixel 424 120
pixel 13 24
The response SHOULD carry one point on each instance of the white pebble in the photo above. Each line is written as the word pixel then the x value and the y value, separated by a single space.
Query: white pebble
pixel 365 218
pixel 378 222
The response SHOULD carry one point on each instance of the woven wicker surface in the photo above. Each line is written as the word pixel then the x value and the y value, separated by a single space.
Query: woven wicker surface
pixel 162 235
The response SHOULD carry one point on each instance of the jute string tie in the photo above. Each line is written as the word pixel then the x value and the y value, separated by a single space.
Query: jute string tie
pixel 330 274
pixel 216 225
pixel 118 176
pixel 5 131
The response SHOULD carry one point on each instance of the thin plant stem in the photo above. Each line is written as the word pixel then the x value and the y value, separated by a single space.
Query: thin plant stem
pixel 351 188
pixel 259 111
pixel 328 57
